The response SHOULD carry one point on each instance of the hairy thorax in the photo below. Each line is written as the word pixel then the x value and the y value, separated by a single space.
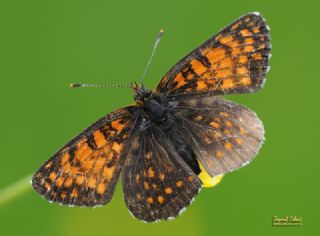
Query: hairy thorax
pixel 155 110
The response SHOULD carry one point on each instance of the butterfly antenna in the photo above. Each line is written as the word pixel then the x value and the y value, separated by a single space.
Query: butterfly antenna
pixel 100 85
pixel 155 46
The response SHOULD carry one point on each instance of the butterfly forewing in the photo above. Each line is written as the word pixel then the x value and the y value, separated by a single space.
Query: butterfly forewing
pixel 157 183
pixel 224 135
pixel 233 61
pixel 84 172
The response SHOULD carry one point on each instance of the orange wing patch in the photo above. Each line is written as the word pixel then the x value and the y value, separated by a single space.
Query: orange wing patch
pixel 99 138
pixel 85 171
pixel 198 67
pixel 233 61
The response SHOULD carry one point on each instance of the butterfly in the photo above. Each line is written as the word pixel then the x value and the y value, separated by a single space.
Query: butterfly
pixel 175 137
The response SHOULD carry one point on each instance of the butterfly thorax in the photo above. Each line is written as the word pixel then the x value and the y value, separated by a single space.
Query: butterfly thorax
pixel 154 108
pixel 152 104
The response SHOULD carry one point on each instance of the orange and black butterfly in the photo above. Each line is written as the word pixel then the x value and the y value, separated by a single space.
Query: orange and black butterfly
pixel 176 139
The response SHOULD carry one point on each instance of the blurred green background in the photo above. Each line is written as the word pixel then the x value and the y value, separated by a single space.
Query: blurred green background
pixel 46 45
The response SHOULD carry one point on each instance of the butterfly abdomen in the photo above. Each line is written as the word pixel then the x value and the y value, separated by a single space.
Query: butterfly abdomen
pixel 183 148
pixel 161 117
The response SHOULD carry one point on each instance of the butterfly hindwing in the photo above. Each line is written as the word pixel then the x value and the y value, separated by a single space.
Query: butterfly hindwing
pixel 233 61
pixel 157 183
pixel 224 135
pixel 84 172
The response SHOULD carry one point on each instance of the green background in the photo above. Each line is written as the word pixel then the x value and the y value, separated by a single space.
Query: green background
pixel 46 45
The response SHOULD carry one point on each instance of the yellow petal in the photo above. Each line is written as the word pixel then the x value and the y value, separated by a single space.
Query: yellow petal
pixel 207 180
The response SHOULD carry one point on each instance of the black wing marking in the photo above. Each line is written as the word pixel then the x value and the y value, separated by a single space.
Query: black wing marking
pixel 85 171
pixel 157 184
pixel 233 61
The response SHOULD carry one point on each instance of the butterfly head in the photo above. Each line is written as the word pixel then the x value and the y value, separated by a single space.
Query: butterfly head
pixel 141 93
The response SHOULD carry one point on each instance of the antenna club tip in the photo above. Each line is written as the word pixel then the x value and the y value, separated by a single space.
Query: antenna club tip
pixel 75 85
pixel 160 34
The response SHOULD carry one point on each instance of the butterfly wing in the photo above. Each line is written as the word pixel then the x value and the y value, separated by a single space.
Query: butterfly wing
pixel 157 183
pixel 233 61
pixel 85 171
pixel 224 135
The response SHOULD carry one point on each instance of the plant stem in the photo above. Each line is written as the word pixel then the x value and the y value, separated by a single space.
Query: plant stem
pixel 14 190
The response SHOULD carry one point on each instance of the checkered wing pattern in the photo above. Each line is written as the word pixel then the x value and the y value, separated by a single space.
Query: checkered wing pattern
pixel 233 61
pixel 85 171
